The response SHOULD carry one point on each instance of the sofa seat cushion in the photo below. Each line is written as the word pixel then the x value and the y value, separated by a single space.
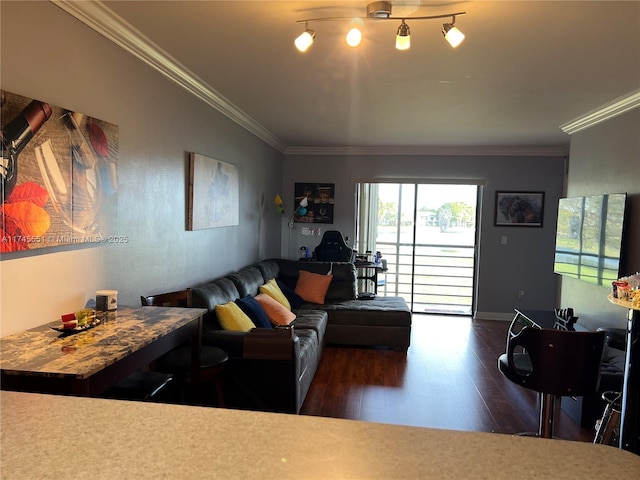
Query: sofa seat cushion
pixel 381 311
pixel 311 320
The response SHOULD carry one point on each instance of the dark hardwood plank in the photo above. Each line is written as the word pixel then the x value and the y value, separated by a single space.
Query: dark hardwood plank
pixel 447 379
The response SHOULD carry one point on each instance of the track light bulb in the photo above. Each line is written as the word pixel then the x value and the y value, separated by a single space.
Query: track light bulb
pixel 354 37
pixel 403 37
pixel 305 40
pixel 452 34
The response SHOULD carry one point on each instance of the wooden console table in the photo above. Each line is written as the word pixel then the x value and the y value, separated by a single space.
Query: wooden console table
pixel 43 360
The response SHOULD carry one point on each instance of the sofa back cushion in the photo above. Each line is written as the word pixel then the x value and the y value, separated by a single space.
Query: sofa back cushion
pixel 343 285
pixel 247 280
pixel 269 268
pixel 214 293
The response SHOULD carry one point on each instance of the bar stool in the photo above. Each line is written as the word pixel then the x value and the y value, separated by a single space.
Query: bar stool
pixel 553 363
pixel 177 362
pixel 141 386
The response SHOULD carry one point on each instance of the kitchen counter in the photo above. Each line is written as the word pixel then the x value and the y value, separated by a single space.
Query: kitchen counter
pixel 47 436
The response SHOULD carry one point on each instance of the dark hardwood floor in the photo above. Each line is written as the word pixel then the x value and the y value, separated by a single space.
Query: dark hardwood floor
pixel 447 379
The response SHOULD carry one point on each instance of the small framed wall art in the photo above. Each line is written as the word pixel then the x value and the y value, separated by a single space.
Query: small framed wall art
pixel 320 201
pixel 519 209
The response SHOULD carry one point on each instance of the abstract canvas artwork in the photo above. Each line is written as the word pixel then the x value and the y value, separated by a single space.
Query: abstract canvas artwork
pixel 59 176
pixel 213 193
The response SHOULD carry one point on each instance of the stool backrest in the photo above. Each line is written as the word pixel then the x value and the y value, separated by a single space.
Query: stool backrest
pixel 181 298
pixel 562 362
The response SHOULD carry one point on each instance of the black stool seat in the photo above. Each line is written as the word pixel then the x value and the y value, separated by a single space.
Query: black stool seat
pixel 179 359
pixel 139 386
pixel 212 365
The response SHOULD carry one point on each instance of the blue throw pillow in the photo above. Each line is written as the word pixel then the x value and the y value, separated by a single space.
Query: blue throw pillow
pixel 295 300
pixel 254 311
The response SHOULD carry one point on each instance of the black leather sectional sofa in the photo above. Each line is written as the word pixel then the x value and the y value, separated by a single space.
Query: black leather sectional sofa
pixel 272 368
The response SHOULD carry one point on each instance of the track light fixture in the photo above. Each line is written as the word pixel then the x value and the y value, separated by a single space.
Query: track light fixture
pixel 403 37
pixel 380 11
pixel 354 37
pixel 305 39
pixel 452 34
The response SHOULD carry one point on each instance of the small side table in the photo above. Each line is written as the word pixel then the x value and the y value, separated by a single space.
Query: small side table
pixel 630 420
pixel 368 271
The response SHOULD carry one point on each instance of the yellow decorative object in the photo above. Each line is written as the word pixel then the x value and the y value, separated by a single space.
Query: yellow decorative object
pixel 84 316
pixel 272 289
pixel 278 202
pixel 635 299
pixel 231 317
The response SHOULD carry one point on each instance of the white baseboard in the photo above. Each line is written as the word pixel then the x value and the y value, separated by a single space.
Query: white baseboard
pixel 502 317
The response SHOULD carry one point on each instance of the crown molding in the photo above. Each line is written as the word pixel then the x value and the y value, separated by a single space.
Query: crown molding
pixel 496 151
pixel 606 112
pixel 100 18
pixel 104 21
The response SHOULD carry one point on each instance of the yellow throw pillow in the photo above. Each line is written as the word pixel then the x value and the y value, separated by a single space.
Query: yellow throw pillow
pixel 272 289
pixel 313 287
pixel 277 313
pixel 232 318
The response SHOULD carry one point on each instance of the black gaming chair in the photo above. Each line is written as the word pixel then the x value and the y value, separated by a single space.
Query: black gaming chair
pixel 332 248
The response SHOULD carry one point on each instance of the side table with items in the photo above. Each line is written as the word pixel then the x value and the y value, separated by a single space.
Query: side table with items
pixel 368 272
pixel 630 403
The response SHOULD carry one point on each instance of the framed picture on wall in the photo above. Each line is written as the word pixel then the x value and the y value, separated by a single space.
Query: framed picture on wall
pixel 519 209
pixel 213 193
pixel 320 202
pixel 59 177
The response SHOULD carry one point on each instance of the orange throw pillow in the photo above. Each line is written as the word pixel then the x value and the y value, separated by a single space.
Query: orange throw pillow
pixel 313 287
pixel 276 312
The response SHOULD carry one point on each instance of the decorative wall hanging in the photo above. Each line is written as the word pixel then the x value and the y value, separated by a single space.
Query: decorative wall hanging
pixel 213 193
pixel 59 176
pixel 519 209
pixel 320 202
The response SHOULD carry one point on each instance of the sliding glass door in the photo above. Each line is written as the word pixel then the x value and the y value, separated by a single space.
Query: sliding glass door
pixel 426 234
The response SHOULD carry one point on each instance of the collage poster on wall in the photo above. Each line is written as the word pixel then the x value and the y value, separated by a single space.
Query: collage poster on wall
pixel 320 201
pixel 59 172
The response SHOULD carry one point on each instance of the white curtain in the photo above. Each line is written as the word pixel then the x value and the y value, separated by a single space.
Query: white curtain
pixel 367 222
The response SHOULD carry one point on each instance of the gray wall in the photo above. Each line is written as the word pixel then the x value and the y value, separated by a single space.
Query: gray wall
pixel 49 55
pixel 525 263
pixel 605 158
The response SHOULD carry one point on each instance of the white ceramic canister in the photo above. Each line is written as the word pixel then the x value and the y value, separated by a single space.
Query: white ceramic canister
pixel 106 300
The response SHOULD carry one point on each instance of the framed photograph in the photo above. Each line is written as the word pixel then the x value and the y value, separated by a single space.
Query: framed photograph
pixel 213 193
pixel 519 209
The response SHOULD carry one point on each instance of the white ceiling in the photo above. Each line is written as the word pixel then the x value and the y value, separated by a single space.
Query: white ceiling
pixel 525 68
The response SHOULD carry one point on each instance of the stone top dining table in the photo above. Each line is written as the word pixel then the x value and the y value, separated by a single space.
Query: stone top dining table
pixel 87 363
